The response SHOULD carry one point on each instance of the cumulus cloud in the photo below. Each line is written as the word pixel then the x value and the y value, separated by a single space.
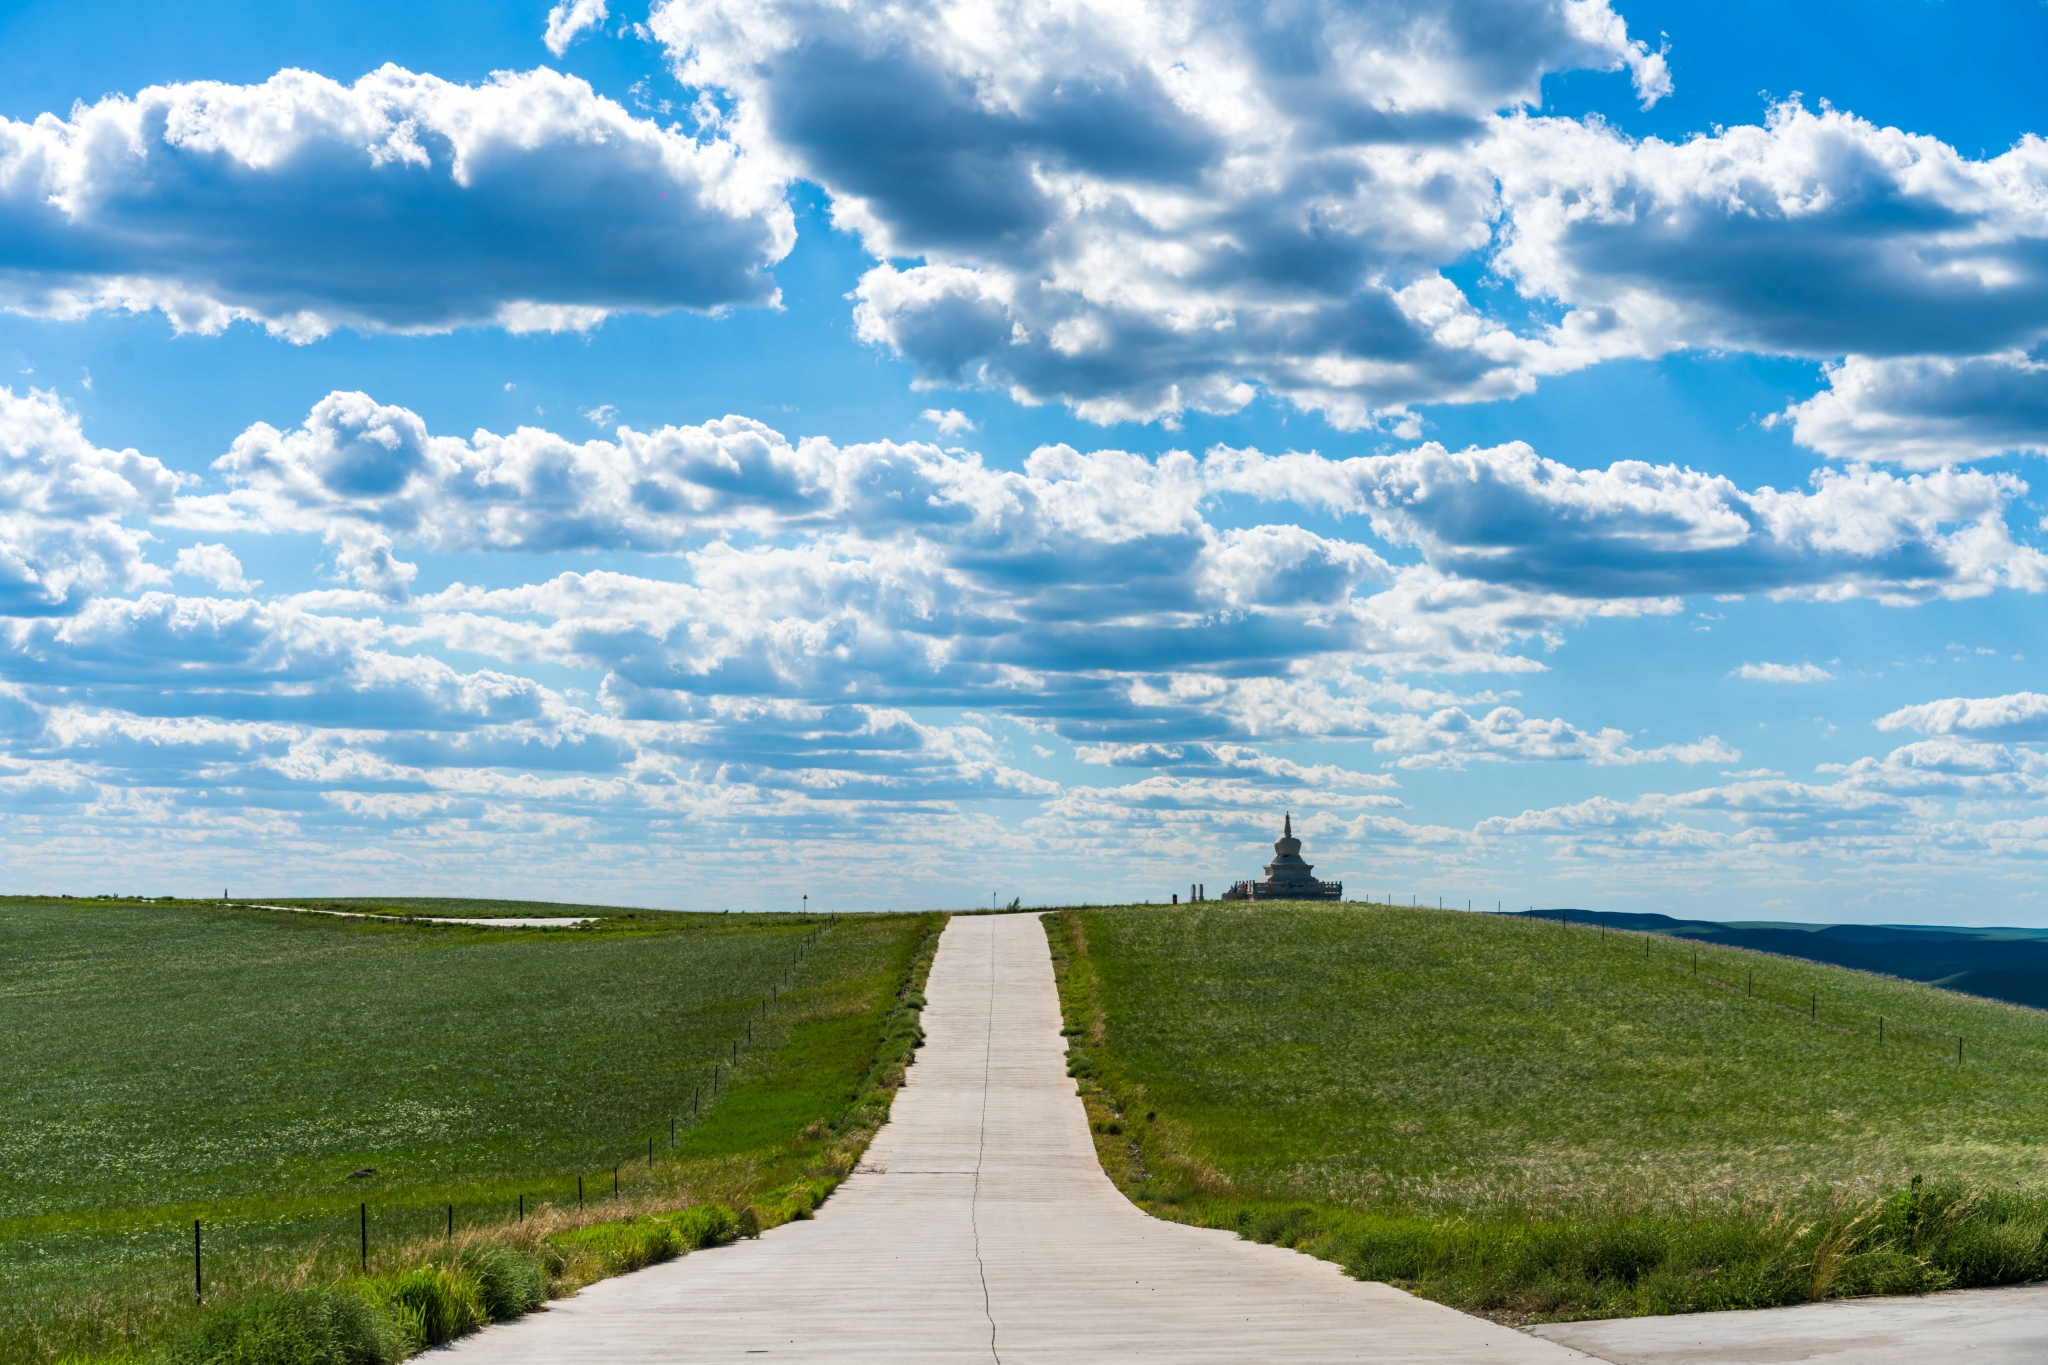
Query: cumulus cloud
pixel 1783 673
pixel 1879 819
pixel 1636 530
pixel 1094 592
pixel 802 599
pixel 570 19
pixel 2018 715
pixel 1926 411
pixel 401 203
pixel 1453 738
pixel 215 564
pixel 62 505
pixel 1238 761
pixel 1132 209
pixel 950 422
pixel 1141 208
pixel 1080 533
pixel 1816 234
pixel 302 733
pixel 1753 814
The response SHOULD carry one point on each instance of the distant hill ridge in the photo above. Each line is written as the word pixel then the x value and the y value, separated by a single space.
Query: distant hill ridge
pixel 2009 964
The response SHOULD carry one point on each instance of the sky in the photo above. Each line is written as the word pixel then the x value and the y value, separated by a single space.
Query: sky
pixel 723 452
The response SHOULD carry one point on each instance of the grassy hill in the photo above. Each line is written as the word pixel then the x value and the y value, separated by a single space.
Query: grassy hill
pixel 269 1073
pixel 1999 964
pixel 1526 1119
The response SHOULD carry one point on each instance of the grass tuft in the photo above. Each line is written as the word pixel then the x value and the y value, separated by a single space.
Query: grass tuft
pixel 310 1327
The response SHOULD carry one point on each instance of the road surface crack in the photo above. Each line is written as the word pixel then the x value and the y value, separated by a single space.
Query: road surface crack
pixel 974 1209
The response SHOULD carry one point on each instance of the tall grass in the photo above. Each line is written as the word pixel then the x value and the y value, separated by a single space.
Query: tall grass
pixel 1535 1123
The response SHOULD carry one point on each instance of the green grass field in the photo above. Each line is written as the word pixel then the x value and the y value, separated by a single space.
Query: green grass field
pixel 1487 1108
pixel 173 1062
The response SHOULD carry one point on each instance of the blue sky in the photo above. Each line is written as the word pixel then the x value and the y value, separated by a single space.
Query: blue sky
pixel 1567 451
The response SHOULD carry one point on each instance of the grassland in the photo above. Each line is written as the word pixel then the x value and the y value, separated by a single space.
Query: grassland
pixel 241 1067
pixel 1533 1121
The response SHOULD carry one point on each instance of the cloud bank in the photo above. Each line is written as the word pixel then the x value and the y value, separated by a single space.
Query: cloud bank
pixel 799 602
pixel 401 203
pixel 1134 210
pixel 1141 208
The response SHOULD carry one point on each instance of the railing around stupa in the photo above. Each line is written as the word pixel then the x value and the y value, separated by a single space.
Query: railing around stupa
pixel 1312 890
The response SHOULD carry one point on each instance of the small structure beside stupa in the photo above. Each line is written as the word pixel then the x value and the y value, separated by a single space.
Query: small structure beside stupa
pixel 1288 878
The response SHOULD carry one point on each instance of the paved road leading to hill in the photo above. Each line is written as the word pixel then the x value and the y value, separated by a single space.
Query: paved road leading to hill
pixel 981 1228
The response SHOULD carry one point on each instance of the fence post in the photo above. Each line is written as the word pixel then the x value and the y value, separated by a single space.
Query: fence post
pixel 198 1282
pixel 579 1191
pixel 364 1209
pixel 451 1220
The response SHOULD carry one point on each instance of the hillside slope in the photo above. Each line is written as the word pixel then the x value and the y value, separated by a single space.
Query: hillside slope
pixel 1399 1072
pixel 1998 964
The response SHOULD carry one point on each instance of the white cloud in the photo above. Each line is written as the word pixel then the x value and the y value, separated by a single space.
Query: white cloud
pixel 1138 208
pixel 2018 715
pixel 1636 530
pixel 569 19
pixel 1926 411
pixel 1878 823
pixel 603 415
pixel 803 599
pixel 62 505
pixel 1453 737
pixel 401 203
pixel 215 564
pixel 951 422
pixel 1237 761
pixel 1553 542
pixel 1817 234
pixel 1092 591
pixel 1783 673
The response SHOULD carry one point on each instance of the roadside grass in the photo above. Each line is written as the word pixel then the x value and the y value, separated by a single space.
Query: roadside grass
pixel 1535 1122
pixel 168 1063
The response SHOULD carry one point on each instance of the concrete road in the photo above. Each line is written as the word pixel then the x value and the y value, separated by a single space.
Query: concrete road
pixel 1979 1326
pixel 981 1228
